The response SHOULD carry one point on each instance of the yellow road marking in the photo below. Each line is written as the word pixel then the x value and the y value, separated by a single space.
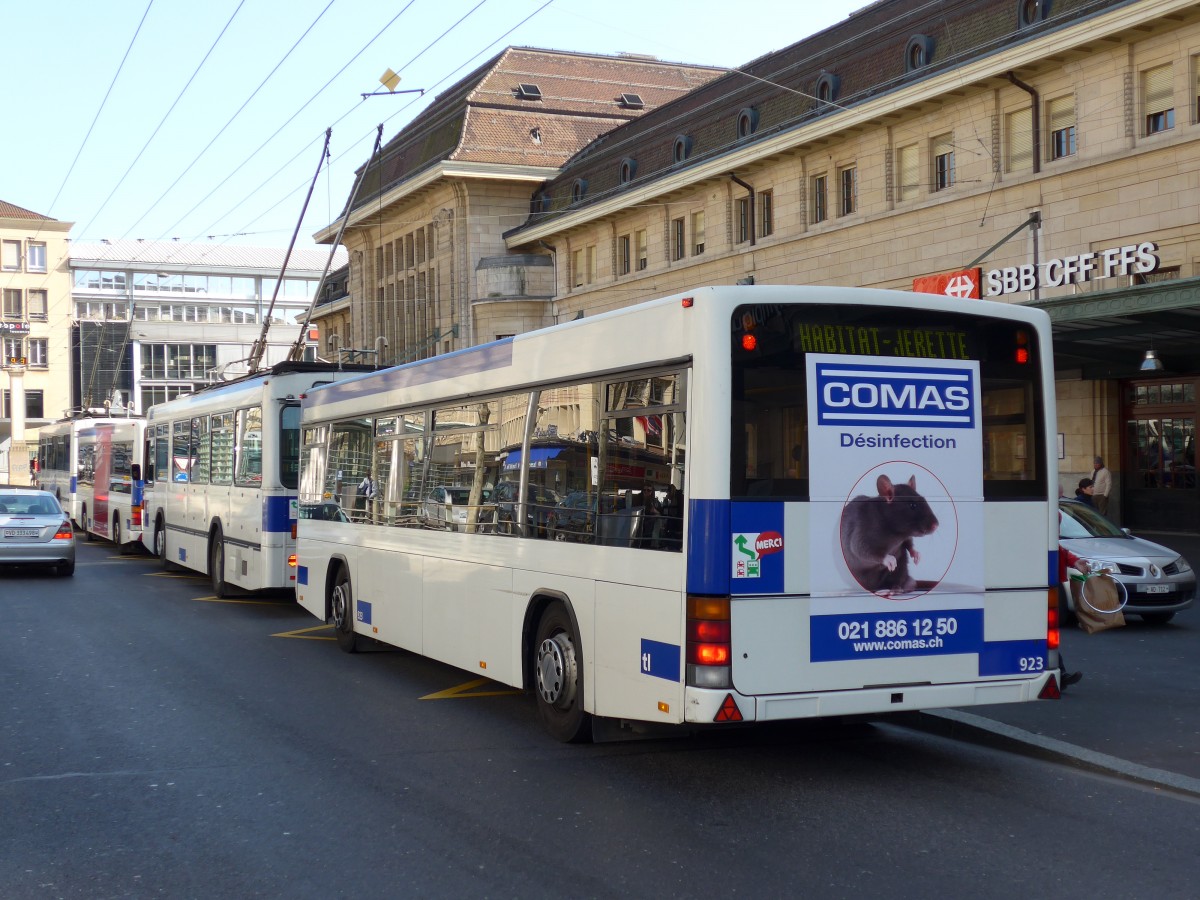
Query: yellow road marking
pixel 305 634
pixel 174 575
pixel 468 690
pixel 215 599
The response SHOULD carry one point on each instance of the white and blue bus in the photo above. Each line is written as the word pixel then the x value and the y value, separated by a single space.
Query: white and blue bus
pixel 221 473
pixel 740 504
pixel 110 489
pixel 59 467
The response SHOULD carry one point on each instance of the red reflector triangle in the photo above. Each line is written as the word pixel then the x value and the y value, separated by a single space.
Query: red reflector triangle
pixel 1051 691
pixel 729 711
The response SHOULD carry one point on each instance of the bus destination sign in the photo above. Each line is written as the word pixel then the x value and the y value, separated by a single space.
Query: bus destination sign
pixel 876 340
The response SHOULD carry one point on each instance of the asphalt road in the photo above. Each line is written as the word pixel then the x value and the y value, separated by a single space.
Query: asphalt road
pixel 157 743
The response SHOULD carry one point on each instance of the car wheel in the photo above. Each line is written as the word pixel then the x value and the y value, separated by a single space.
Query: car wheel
pixel 65 570
pixel 558 676
pixel 216 564
pixel 341 606
pixel 1157 618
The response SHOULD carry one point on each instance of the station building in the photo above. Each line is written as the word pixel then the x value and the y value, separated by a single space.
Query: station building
pixel 1044 152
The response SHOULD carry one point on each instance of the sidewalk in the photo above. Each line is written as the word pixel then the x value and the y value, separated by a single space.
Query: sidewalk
pixel 1135 714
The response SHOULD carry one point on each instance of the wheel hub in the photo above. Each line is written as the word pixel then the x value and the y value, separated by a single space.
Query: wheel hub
pixel 341 612
pixel 556 671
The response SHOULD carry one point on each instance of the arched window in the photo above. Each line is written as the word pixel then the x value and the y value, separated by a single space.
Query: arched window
pixel 918 53
pixel 828 86
pixel 682 148
pixel 578 189
pixel 747 122
pixel 628 169
pixel 540 203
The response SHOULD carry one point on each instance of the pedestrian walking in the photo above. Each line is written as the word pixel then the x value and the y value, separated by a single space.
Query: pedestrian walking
pixel 1101 486
pixel 1083 493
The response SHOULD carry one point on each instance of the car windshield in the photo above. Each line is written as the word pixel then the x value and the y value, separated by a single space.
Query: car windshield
pixel 29 505
pixel 1078 520
pixel 459 495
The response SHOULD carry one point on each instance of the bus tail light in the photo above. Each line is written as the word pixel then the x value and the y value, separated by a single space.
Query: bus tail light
pixel 294 531
pixel 291 560
pixel 709 639
pixel 135 516
pixel 1053 636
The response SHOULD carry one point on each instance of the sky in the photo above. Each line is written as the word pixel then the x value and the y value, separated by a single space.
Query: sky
pixel 165 119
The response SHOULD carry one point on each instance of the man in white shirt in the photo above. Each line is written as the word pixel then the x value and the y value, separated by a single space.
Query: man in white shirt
pixel 1101 486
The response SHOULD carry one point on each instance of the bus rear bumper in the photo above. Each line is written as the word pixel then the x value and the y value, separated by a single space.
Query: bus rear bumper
pixel 704 706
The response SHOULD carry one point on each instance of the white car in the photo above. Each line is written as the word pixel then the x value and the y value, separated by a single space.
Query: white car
pixel 1158 580
pixel 35 531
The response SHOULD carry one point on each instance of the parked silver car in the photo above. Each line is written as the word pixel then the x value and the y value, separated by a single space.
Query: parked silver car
pixel 446 507
pixel 1158 580
pixel 34 530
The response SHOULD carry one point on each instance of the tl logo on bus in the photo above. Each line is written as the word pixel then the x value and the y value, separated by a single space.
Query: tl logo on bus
pixel 750 548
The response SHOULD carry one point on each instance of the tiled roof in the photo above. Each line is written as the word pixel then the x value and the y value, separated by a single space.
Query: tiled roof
pixel 12 211
pixel 482 118
pixel 866 53
pixel 176 255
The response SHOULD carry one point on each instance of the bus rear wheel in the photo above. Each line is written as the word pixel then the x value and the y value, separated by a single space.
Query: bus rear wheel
pixel 87 525
pixel 341 608
pixel 558 668
pixel 160 541
pixel 216 564
pixel 116 534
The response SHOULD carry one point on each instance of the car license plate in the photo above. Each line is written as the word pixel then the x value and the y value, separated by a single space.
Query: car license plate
pixel 21 532
pixel 1154 589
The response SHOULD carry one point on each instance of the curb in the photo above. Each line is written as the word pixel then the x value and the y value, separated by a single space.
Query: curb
pixel 957 725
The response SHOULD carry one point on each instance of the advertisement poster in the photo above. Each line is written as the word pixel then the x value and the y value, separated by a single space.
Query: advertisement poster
pixel 897 514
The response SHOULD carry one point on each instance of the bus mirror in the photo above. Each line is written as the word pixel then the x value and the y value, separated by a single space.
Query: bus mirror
pixel 135 472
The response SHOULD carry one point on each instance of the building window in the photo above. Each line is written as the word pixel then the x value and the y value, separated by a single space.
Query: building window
pixel 1158 99
pixel 918 53
pixel 943 162
pixel 766 213
pixel 14 307
pixel 39 353
pixel 36 261
pixel 38 304
pixel 742 223
pixel 678 245
pixel 1060 117
pixel 628 169
pixel 1196 88
pixel 34 405
pixel 643 257
pixel 848 194
pixel 1019 129
pixel 747 122
pixel 577 268
pixel 682 148
pixel 589 263
pixel 624 252
pixel 697 233
pixel 1030 12
pixel 578 189
pixel 820 210
pixel 14 349
pixel 10 256
pixel 908 167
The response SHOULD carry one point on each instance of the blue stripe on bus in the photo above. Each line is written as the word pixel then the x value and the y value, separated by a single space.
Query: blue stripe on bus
pixel 301 574
pixel 276 514
pixel 709 540
pixel 484 358
pixel 1053 568
pixel 74 483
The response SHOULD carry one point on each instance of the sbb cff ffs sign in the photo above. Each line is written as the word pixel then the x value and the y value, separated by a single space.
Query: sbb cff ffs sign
pixel 963 284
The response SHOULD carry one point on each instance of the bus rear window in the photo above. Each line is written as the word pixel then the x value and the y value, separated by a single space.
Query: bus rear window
pixel 769 453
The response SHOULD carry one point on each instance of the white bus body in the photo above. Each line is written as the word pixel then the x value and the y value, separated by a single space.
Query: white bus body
pixel 867 521
pixel 221 473
pixel 110 490
pixel 58 459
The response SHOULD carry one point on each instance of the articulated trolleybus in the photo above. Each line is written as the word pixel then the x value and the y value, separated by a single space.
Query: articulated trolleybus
pixel 221 472
pixel 740 504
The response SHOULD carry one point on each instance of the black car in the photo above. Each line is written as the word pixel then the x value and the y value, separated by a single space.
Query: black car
pixel 540 505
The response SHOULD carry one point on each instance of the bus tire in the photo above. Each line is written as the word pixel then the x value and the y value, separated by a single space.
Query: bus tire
pixel 341 609
pixel 216 563
pixel 558 677
pixel 87 531
pixel 160 541
pixel 116 534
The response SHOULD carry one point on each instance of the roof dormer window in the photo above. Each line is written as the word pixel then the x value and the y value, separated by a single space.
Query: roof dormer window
pixel 528 92
pixel 632 101
pixel 682 148
pixel 918 53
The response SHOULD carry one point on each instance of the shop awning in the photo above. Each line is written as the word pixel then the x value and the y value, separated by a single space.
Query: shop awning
pixel 538 458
